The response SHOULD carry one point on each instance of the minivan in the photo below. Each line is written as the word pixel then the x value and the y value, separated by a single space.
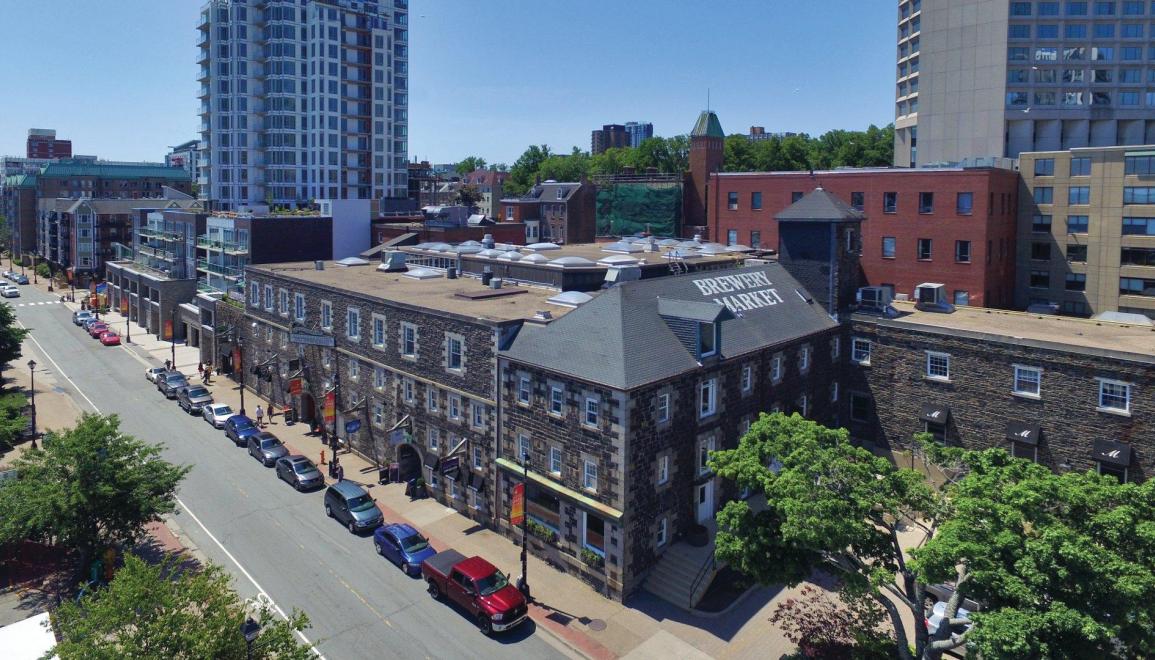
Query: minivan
pixel 351 506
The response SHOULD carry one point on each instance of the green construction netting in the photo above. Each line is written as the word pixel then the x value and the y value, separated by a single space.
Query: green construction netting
pixel 628 208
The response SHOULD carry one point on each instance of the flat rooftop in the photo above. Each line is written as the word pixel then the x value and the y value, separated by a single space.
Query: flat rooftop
pixel 464 297
pixel 594 252
pixel 1011 326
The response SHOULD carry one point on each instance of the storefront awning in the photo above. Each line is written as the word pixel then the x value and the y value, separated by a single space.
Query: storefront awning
pixel 568 493
pixel 1028 434
pixel 431 460
pixel 1112 453
pixel 935 413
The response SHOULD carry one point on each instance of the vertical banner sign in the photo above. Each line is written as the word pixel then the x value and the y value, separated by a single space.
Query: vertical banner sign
pixel 330 407
pixel 295 386
pixel 124 305
pixel 168 330
pixel 236 360
pixel 517 511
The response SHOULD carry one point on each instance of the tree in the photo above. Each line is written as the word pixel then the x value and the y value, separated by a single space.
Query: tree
pixel 88 488
pixel 1043 553
pixel 468 196
pixel 470 164
pixel 525 169
pixel 165 611
pixel 823 628
pixel 11 336
pixel 12 420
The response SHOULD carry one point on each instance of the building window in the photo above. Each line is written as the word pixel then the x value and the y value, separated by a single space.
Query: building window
pixel 378 378
pixel 433 437
pixel 299 307
pixel 890 202
pixel 1044 195
pixel 478 416
pixel 857 200
pixel 556 399
pixel 378 413
pixel 926 202
pixel 1081 166
pixel 1079 195
pixel 755 239
pixel 478 457
pixel 732 237
pixel 925 246
pixel 755 201
pixel 707 398
pixel 590 476
pixel 835 348
pixel 593 409
pixel 453 360
pixel 1114 396
pixel 776 369
pixel 663 532
pixel 889 247
pixel 378 331
pixel 747 378
pixel 283 302
pixel 663 469
pixel 353 324
pixel 407 390
pixel 1040 279
pixel 254 295
pixel 962 297
pixel 937 366
pixel 354 369
pixel 1041 223
pixel 860 350
pixel 1077 254
pixel 326 315
pixel 859 407
pixel 834 391
pixel 1044 167
pixel 1040 251
pixel 1028 381
pixel 523 391
pixel 523 448
pixel 431 399
pixel 804 359
pixel 965 204
pixel 804 405
pixel 663 408
pixel 707 339
pixel 268 298
pixel 454 406
pixel 1076 282
pixel 1139 165
pixel 555 461
pixel 962 252
pixel 705 447
pixel 408 340
pixel 732 201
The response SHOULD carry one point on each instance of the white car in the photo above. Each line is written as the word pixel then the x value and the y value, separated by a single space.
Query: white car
pixel 152 372
pixel 216 414
pixel 10 291
pixel 938 613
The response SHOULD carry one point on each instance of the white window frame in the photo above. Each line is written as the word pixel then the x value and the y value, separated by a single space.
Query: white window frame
pixel 593 407
pixel 254 294
pixel 556 400
pixel 747 378
pixel 776 369
pixel 378 413
pixel 835 347
pixel 707 404
pixel 524 447
pixel 474 499
pixel 270 303
pixel 353 324
pixel 931 369
pixel 408 346
pixel 524 392
pixel 834 392
pixel 860 350
pixel 706 446
pixel 805 405
pixel 449 341
pixel 299 307
pixel 433 438
pixel 804 359
pixel 283 302
pixel 478 458
pixel 378 330
pixel 353 366
pixel 477 414
pixel 380 378
pixel 590 476
pixel 407 390
pixel 663 407
pixel 431 399
pixel 326 315
pixel 663 469
pixel 455 406
pixel 454 494
pixel 555 461
pixel 663 535
pixel 1127 396
pixel 1019 370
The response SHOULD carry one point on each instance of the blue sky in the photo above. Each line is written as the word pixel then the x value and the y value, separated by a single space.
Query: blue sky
pixel 487 78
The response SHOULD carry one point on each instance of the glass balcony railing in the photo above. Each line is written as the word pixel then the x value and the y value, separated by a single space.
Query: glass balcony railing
pixel 219 269
pixel 231 247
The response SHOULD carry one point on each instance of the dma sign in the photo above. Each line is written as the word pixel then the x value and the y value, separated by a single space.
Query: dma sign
pixel 740 292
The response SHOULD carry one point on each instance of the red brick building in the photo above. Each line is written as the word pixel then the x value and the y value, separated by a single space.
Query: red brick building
pixel 952 225
pixel 42 143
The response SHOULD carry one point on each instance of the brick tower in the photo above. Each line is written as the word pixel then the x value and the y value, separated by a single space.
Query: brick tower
pixel 707 142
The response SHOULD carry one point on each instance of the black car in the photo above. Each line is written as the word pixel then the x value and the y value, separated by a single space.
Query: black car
pixel 239 429
pixel 299 472
pixel 266 448
pixel 170 382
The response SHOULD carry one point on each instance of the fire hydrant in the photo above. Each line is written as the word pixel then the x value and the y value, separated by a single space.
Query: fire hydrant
pixel 322 457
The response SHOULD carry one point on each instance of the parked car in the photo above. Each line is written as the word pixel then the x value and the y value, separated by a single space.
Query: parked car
pixel 216 414
pixel 477 586
pixel 350 505
pixel 80 316
pixel 266 448
pixel 152 372
pixel 938 614
pixel 299 472
pixel 94 329
pixel 192 398
pixel 239 429
pixel 404 546
pixel 9 291
pixel 20 279
pixel 109 338
pixel 169 382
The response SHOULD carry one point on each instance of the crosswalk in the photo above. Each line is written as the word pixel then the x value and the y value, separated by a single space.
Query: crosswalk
pixel 30 304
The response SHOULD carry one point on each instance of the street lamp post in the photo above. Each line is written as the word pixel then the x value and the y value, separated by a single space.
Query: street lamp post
pixel 32 388
pixel 172 335
pixel 523 582
pixel 34 280
pixel 250 629
pixel 127 319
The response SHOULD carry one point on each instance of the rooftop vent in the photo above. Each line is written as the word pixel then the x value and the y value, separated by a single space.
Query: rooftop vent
pixel 931 297
pixel 422 274
pixel 570 299
pixel 618 260
pixel 510 256
pixel 318 265
pixel 623 247
pixel 352 261
pixel 571 262
pixel 543 315
pixel 538 247
pixel 392 261
pixel 668 242
pixel 487 241
pixel 535 258
pixel 489 253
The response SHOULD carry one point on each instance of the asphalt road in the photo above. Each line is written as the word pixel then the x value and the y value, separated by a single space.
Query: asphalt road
pixel 262 531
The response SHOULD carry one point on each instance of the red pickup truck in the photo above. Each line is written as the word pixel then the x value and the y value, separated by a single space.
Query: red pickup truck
pixel 476 585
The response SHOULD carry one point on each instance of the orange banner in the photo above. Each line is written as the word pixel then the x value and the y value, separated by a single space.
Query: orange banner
pixel 294 386
pixel 123 305
pixel 236 360
pixel 517 511
pixel 330 407
pixel 167 330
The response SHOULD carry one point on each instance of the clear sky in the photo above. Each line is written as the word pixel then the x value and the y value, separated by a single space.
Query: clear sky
pixel 117 77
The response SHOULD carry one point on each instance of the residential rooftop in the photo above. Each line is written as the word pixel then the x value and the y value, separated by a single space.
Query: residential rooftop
pixel 463 297
pixel 1059 332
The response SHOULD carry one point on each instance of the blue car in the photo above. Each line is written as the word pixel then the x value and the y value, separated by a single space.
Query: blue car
pixel 404 546
pixel 239 429
pixel 21 279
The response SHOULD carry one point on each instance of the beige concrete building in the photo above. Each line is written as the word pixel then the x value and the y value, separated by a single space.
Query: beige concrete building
pixel 1086 234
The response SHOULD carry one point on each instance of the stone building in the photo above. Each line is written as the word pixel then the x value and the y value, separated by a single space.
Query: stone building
pixel 1072 394
pixel 617 404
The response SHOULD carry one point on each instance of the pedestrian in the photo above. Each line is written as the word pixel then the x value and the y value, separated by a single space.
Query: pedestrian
pixel 340 472
pixel 260 415
pixel 167 365
pixel 201 369
pixel 208 373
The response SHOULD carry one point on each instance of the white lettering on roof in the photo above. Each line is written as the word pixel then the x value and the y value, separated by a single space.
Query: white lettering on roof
pixel 751 291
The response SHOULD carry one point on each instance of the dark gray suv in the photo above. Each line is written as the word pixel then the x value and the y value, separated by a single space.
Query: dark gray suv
pixel 193 398
pixel 169 382
pixel 266 448
pixel 351 506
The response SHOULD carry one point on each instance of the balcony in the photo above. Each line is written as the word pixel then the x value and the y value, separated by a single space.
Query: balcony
pixel 228 247
pixel 217 269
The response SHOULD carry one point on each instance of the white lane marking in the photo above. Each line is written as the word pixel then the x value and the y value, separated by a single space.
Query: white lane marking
pixel 260 590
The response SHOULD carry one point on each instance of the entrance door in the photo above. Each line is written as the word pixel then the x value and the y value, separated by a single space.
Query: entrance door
pixel 706 502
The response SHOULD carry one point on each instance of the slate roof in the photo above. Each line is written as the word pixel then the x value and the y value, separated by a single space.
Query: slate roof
pixel 707 125
pixel 113 171
pixel 821 206
pixel 620 338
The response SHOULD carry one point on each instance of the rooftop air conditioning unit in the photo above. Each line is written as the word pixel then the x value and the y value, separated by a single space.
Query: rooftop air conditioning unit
pixel 931 297
pixel 874 297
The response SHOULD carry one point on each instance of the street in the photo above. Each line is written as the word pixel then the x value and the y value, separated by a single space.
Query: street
pixel 269 537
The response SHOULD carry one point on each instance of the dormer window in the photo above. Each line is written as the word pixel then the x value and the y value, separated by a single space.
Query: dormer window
pixel 707 339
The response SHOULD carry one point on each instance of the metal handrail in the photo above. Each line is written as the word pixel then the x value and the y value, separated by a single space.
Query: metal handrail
pixel 705 570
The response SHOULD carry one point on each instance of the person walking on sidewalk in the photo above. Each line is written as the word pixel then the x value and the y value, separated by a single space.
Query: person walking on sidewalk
pixel 260 413
pixel 201 370
pixel 208 373
pixel 340 472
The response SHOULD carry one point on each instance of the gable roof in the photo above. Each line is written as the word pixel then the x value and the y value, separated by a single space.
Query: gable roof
pixel 820 206
pixel 626 336
pixel 707 125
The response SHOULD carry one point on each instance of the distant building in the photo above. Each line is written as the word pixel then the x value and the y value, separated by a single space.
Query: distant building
pixel 555 212
pixel 758 133
pixel 42 143
pixel 707 142
pixel 609 137
pixel 489 184
pixel 183 156
pixel 638 131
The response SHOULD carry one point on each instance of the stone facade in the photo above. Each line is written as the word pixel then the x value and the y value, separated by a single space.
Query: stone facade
pixel 981 398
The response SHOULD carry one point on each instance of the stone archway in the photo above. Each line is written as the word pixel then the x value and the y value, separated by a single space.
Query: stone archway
pixel 408 462
pixel 307 411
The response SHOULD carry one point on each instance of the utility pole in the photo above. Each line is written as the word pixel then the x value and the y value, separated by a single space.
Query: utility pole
pixel 172 335
pixel 523 583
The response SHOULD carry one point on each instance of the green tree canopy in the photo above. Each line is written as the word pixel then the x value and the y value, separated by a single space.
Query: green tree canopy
pixel 1064 565
pixel 164 611
pixel 87 488
pixel 525 169
pixel 470 164
pixel 11 336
